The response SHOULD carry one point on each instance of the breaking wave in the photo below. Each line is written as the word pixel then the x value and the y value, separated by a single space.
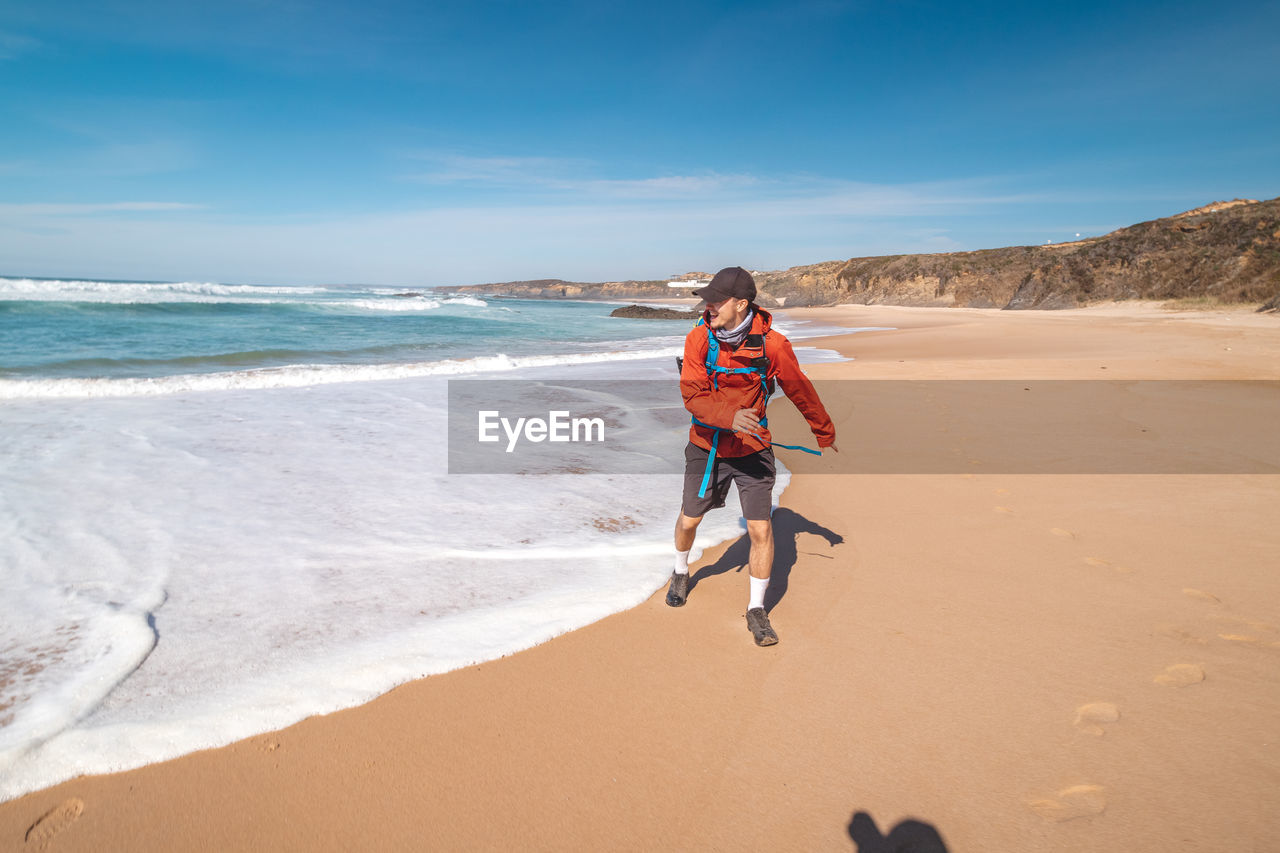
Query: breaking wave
pixel 302 375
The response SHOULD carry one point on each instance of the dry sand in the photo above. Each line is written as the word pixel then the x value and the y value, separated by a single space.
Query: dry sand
pixel 969 662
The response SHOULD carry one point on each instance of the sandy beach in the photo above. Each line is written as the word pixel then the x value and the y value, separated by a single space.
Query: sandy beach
pixel 989 661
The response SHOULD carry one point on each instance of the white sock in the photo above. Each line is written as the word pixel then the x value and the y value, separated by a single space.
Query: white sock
pixel 682 562
pixel 758 586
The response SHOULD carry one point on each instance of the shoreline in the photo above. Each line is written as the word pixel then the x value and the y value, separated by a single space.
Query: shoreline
pixel 1114 307
pixel 933 677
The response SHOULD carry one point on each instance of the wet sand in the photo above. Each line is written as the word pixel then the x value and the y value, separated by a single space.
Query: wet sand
pixel 968 661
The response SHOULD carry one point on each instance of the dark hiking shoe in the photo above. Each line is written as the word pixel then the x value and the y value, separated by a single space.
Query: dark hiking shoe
pixel 758 623
pixel 678 592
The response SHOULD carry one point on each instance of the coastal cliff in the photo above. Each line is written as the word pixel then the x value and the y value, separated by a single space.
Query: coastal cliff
pixel 1227 252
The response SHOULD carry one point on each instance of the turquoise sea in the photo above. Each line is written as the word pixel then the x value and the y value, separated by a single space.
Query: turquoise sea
pixel 224 508
pixel 53 329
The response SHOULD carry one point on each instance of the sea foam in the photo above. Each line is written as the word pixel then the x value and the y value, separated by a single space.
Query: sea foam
pixel 182 292
pixel 303 375
pixel 192 560
pixel 202 567
pixel 71 290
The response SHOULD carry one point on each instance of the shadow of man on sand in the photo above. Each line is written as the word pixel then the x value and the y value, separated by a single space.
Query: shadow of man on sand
pixel 909 836
pixel 787 527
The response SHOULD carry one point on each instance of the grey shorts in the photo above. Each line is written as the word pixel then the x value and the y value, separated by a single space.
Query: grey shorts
pixel 754 475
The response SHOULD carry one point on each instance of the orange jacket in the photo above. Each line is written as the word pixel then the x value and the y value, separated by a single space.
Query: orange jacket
pixel 717 406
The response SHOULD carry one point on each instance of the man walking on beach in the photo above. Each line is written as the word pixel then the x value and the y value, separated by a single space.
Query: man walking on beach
pixel 732 361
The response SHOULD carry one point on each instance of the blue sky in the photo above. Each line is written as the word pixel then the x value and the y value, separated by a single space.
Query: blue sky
pixel 418 143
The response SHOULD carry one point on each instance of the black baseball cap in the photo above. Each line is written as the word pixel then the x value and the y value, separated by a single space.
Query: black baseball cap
pixel 729 283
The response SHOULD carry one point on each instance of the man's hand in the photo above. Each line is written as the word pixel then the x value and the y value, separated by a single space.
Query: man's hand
pixel 745 420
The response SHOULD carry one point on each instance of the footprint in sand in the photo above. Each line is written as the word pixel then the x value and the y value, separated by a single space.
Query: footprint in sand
pixel 1250 624
pixel 1182 635
pixel 1245 640
pixel 1243 631
pixel 1063 532
pixel 1202 595
pixel 1180 675
pixel 1091 717
pixel 1071 803
pixel 1002 491
pixel 41 833
pixel 1004 509
pixel 1107 564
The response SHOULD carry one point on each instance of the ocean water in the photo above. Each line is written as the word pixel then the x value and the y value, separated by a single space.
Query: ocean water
pixel 224 508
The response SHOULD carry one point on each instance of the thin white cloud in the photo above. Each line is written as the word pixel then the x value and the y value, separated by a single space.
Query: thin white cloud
pixel 549 180
pixel 13 45
pixel 16 167
pixel 589 238
pixel 670 186
pixel 852 199
pixel 134 158
pixel 114 137
pixel 114 160
pixel 58 209
pixel 565 176
pixel 447 168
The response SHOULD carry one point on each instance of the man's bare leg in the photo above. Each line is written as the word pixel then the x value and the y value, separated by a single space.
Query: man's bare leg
pixel 761 560
pixel 686 529
pixel 761 567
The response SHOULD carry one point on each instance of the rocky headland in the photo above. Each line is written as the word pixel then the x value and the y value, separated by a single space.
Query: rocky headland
pixel 1223 253
pixel 554 288
pixel 649 312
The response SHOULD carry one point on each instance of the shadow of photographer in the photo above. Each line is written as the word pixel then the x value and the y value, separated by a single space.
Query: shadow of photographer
pixel 909 836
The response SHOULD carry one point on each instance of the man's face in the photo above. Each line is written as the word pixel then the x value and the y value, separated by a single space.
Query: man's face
pixel 727 313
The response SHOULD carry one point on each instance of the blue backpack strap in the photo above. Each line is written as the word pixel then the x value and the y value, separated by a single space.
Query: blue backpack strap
pixel 714 371
pixel 795 447
pixel 711 465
